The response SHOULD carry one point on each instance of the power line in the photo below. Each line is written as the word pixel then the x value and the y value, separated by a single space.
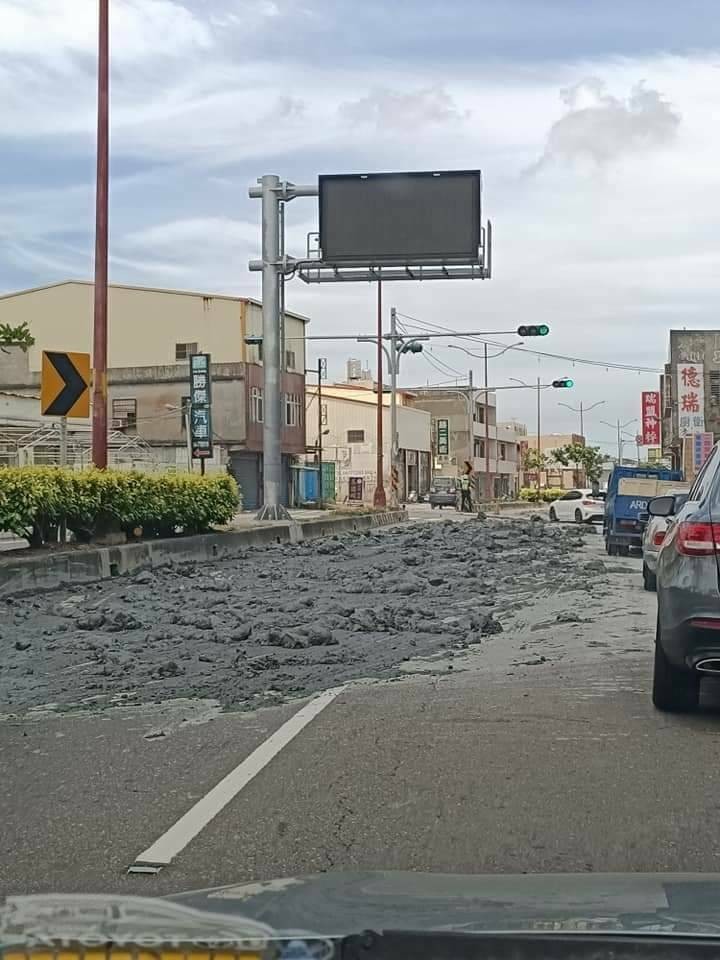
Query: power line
pixel 606 364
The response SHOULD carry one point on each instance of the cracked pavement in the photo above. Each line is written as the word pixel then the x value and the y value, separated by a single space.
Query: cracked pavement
pixel 453 748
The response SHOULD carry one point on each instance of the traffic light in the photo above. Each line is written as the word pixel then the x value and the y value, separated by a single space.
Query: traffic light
pixel 564 383
pixel 534 331
pixel 411 347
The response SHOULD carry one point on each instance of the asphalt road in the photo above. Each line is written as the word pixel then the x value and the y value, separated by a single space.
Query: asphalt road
pixel 536 750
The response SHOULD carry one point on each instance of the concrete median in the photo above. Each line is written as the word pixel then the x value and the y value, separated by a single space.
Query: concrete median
pixel 37 573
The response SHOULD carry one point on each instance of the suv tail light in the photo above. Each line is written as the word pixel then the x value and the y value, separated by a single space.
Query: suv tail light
pixel 658 537
pixel 697 539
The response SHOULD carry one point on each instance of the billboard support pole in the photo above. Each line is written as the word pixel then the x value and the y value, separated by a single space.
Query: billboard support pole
pixel 394 354
pixel 272 192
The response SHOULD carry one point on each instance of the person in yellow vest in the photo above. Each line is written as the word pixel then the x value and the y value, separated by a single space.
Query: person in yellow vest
pixel 465 501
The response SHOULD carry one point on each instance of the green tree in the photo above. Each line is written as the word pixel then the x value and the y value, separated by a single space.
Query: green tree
pixel 19 336
pixel 590 459
pixel 535 459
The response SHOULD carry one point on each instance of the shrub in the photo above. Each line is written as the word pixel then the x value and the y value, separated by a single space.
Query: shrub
pixel 34 501
pixel 530 494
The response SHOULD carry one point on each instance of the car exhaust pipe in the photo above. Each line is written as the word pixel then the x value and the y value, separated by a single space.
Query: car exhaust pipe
pixel 710 665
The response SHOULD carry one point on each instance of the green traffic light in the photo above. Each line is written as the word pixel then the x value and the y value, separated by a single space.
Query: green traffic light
pixel 543 330
pixel 569 383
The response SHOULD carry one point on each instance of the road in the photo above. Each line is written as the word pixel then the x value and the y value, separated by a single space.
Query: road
pixel 528 750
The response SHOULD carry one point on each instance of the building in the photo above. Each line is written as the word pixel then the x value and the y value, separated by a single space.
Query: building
pixel 151 335
pixel 465 428
pixel 690 390
pixel 349 439
pixel 555 474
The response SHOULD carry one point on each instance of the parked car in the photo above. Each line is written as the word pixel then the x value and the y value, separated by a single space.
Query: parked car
pixel 580 506
pixel 444 492
pixel 655 530
pixel 687 642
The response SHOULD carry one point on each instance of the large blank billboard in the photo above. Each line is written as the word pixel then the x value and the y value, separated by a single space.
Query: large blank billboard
pixel 400 218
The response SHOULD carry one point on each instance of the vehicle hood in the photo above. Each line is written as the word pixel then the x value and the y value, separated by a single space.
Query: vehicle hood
pixel 336 904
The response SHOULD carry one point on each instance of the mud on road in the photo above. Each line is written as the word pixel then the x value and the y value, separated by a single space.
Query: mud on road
pixel 285 620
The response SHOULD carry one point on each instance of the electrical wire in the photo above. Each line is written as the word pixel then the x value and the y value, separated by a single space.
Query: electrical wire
pixel 606 364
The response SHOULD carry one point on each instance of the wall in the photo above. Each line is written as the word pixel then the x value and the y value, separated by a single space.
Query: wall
pixel 18 409
pixel 292 438
pixel 359 460
pixel 156 388
pixel 143 324
pixel 294 336
pixel 694 346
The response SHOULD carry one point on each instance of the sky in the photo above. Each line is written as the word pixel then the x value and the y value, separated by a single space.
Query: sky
pixel 594 125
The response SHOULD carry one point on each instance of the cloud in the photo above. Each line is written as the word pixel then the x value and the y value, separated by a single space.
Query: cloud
pixel 389 109
pixel 139 28
pixel 600 128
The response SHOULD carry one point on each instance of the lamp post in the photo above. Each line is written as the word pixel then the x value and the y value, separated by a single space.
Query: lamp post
pixel 582 410
pixel 489 482
pixel 619 427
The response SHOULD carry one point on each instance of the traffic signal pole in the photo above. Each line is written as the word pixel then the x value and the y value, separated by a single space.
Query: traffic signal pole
pixel 488 485
pixel 538 437
pixel 393 407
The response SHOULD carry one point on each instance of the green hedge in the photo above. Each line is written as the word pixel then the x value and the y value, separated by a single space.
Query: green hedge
pixel 35 500
pixel 546 496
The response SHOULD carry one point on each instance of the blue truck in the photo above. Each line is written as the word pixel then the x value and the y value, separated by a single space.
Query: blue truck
pixel 623 525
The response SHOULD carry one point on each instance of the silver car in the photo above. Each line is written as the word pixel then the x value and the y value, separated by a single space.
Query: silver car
pixel 687 642
pixel 653 537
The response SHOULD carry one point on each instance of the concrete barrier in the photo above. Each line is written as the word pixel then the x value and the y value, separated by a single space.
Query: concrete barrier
pixel 39 573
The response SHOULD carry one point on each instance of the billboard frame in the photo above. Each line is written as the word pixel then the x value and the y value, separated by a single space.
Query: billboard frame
pixel 474 177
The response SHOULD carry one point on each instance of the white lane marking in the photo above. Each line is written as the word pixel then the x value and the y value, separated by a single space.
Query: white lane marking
pixel 169 845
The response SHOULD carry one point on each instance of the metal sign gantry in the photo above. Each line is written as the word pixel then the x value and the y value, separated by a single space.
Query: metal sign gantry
pixel 276 265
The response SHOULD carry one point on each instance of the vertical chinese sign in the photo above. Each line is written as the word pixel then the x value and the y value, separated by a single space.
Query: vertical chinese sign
pixel 691 399
pixel 650 419
pixel 200 404
pixel 443 435
pixel 702 448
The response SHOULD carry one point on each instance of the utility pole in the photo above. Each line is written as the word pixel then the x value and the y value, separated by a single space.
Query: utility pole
pixel 488 485
pixel 320 434
pixel 393 406
pixel 538 438
pixel 100 332
pixel 619 427
pixel 379 498
pixel 582 410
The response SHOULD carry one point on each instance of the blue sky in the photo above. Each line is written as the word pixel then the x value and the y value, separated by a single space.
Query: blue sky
pixel 594 125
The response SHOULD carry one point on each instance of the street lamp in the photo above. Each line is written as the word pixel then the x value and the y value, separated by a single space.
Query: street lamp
pixel 489 484
pixel 582 410
pixel 619 427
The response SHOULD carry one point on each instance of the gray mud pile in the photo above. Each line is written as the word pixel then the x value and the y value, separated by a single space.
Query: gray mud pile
pixel 278 621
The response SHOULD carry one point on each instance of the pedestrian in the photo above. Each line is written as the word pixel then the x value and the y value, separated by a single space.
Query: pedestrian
pixel 465 501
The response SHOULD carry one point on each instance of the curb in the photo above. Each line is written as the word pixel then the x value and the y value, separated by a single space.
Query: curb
pixel 40 574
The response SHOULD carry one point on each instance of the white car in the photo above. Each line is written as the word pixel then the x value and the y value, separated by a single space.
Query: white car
pixel 579 506
pixel 653 539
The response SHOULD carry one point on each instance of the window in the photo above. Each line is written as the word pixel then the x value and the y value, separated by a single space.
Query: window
pixel 356 436
pixel 183 351
pixel 289 359
pixel 479 413
pixel 323 414
pixel 184 410
pixel 257 414
pixel 124 414
pixel 479 448
pixel 292 410
pixel 715 386
pixel 572 495
pixel 502 451
pixel 355 487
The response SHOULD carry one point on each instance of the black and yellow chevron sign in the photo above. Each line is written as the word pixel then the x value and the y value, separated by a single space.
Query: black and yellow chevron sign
pixel 65 384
